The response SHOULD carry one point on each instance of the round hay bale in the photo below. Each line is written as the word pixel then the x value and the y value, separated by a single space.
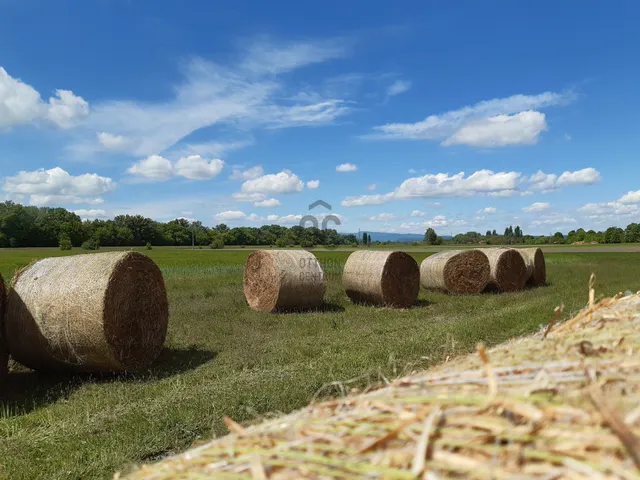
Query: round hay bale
pixel 456 271
pixel 92 313
pixel 283 280
pixel 382 278
pixel 4 355
pixel 536 266
pixel 508 270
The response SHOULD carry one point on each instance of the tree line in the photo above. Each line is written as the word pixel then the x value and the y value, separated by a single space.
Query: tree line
pixel 22 226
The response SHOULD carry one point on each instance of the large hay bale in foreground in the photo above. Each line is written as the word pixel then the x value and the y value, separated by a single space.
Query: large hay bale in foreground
pixel 508 270
pixel 382 278
pixel 536 266
pixel 456 271
pixel 283 280
pixel 4 355
pixel 562 403
pixel 93 312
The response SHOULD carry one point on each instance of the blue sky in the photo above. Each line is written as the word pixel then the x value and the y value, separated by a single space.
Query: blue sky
pixel 456 115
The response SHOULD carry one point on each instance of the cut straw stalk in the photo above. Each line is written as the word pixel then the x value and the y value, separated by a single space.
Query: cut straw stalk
pixel 508 270
pixel 93 312
pixel 527 416
pixel 382 278
pixel 536 267
pixel 283 280
pixel 456 271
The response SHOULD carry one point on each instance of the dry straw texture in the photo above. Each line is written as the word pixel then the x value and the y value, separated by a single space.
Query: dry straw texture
pixel 536 267
pixel 283 280
pixel 508 270
pixel 563 403
pixel 4 356
pixel 456 271
pixel 382 278
pixel 95 312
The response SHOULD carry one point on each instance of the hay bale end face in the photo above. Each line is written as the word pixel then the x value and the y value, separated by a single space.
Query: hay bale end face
pixel 90 313
pixel 536 266
pixel 382 278
pixel 283 280
pixel 508 270
pixel 4 356
pixel 456 271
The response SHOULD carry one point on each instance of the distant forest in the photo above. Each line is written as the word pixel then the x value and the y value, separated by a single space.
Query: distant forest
pixel 22 226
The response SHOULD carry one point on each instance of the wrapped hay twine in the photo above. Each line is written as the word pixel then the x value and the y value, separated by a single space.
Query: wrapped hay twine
pixel 389 278
pixel 90 313
pixel 536 266
pixel 508 270
pixel 456 271
pixel 283 280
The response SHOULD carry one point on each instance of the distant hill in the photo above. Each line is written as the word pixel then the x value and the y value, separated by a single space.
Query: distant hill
pixel 399 237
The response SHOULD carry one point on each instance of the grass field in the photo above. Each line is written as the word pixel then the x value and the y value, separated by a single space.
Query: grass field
pixel 223 359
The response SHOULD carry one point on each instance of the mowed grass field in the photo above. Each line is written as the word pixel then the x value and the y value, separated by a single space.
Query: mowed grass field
pixel 221 358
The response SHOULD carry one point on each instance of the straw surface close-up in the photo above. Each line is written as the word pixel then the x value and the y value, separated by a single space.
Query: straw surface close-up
pixel 562 403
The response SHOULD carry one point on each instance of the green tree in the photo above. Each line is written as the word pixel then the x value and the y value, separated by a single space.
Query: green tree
pixel 65 243
pixel 632 233
pixel 430 236
pixel 558 237
pixel 614 235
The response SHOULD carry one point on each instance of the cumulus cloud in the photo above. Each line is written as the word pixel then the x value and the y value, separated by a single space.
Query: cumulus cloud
pixel 537 207
pixel 491 123
pixel 56 186
pixel 193 167
pixel 487 210
pixel 398 87
pixel 522 128
pixel 249 174
pixel 112 142
pixel 417 213
pixel 630 197
pixel 313 184
pixel 346 167
pixel 90 214
pixel 283 182
pixel 608 209
pixel 272 218
pixel 21 104
pixel 382 217
pixel 229 216
pixel 554 219
pixel 268 203
pixel 248 197
pixel 549 182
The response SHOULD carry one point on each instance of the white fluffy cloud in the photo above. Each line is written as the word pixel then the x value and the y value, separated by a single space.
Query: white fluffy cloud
pixel 90 214
pixel 283 182
pixel 112 142
pixel 21 104
pixel 630 197
pixel 491 123
pixel 554 219
pixel 272 218
pixel 417 213
pixel 249 174
pixel 346 167
pixel 487 210
pixel 398 87
pixel 522 128
pixel 382 217
pixel 153 167
pixel 313 184
pixel 537 207
pixel 229 216
pixel 549 182
pixel 248 197
pixel 268 203
pixel 56 186
pixel 194 167
pixel 609 208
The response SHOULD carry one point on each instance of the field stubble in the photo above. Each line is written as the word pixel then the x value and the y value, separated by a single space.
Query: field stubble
pixel 223 359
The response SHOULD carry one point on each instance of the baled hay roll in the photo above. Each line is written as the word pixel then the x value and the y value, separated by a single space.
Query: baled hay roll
pixel 536 267
pixel 90 313
pixel 508 270
pixel 4 356
pixel 283 280
pixel 382 278
pixel 456 271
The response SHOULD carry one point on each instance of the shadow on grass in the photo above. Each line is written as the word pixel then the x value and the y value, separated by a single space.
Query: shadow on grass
pixel 326 307
pixel 26 390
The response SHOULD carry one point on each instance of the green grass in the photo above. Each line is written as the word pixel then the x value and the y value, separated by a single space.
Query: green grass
pixel 224 359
